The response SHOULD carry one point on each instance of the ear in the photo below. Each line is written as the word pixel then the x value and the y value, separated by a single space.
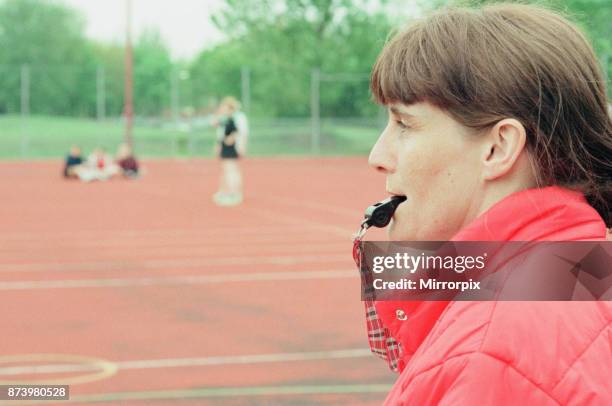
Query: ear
pixel 505 143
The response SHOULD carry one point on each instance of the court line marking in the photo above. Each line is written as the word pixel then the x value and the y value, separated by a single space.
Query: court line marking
pixel 127 233
pixel 43 253
pixel 321 225
pixel 328 208
pixel 110 243
pixel 175 280
pixel 297 221
pixel 286 260
pixel 99 368
pixel 235 392
pixel 193 362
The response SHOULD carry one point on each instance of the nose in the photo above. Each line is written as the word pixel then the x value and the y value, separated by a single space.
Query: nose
pixel 381 157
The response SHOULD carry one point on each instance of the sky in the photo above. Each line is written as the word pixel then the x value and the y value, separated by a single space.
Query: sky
pixel 184 24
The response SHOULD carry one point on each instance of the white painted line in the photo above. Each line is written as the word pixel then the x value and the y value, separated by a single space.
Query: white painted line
pixel 299 221
pixel 202 263
pixel 144 233
pixel 175 280
pixel 192 362
pixel 48 369
pixel 236 391
pixel 328 208
pixel 313 242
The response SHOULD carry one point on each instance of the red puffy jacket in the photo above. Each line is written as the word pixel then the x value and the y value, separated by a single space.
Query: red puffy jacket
pixel 498 353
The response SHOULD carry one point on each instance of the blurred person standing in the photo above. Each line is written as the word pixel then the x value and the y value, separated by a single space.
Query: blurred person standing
pixel 232 136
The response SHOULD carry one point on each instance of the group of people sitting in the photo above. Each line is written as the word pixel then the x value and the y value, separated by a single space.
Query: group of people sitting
pixel 99 165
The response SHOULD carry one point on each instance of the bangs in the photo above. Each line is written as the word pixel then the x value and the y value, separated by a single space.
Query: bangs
pixel 427 62
pixel 396 75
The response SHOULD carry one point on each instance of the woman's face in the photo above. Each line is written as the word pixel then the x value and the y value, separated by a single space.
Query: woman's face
pixel 226 109
pixel 436 163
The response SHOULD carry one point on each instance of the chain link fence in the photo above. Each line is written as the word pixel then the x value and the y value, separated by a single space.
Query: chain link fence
pixel 46 109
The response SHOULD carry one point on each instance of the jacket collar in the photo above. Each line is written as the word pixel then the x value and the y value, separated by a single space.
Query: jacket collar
pixel 547 214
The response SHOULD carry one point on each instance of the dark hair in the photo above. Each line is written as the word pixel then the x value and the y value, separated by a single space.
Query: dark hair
pixel 510 60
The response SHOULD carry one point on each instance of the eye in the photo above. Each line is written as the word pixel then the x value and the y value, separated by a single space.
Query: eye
pixel 402 125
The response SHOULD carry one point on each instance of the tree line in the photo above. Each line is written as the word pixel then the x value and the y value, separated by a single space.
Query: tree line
pixel 282 42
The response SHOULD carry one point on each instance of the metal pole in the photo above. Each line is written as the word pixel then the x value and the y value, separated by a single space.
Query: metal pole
pixel 101 94
pixel 25 90
pixel 25 107
pixel 315 84
pixel 175 105
pixel 174 96
pixel 245 79
pixel 129 90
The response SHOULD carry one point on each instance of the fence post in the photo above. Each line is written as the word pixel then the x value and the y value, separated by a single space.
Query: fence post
pixel 245 88
pixel 25 108
pixel 315 113
pixel 100 94
pixel 175 103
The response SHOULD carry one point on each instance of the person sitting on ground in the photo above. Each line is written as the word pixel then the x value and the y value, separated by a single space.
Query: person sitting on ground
pixel 73 161
pixel 101 165
pixel 126 161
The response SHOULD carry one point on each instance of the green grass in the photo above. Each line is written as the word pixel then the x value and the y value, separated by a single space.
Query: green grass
pixel 51 137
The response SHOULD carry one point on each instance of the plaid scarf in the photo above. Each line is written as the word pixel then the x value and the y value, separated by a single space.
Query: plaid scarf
pixel 381 343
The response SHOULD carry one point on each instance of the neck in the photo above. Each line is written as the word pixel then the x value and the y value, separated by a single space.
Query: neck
pixel 518 179
pixel 490 195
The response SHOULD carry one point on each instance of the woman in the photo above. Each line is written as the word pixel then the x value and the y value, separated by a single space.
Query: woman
pixel 497 131
pixel 233 132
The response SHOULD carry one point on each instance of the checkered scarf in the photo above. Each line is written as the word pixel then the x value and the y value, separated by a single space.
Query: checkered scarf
pixel 381 343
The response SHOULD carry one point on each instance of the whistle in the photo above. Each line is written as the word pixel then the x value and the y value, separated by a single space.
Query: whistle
pixel 379 214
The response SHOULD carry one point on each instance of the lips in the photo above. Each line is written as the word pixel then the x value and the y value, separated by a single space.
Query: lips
pixel 392 193
pixel 399 199
pixel 399 196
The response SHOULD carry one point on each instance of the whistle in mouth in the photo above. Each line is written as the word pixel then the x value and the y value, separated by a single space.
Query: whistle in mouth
pixel 379 214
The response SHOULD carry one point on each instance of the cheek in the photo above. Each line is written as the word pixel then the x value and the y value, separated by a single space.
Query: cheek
pixel 439 179
pixel 422 168
pixel 454 179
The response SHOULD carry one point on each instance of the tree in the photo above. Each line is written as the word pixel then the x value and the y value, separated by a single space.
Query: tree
pixel 282 41
pixel 152 74
pixel 49 39
pixel 110 58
